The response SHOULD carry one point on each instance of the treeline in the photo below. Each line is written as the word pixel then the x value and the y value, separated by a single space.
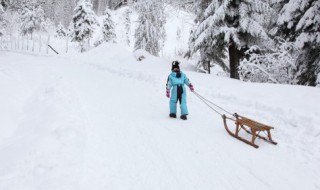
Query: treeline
pixel 275 41
pixel 259 41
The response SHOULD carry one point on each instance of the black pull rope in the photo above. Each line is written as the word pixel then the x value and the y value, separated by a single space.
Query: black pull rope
pixel 208 102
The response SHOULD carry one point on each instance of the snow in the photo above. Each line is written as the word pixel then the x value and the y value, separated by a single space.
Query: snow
pixel 99 120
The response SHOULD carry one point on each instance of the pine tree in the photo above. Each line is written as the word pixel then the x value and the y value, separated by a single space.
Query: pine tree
pixel 31 17
pixel 4 4
pixel 2 21
pixel 232 24
pixel 299 22
pixel 128 25
pixel 150 33
pixel 61 31
pixel 108 27
pixel 83 22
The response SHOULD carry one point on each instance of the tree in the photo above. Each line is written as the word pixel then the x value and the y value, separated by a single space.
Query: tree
pixel 108 27
pixel 235 25
pixel 83 22
pixel 61 31
pixel 127 24
pixel 299 22
pixel 150 33
pixel 4 4
pixel 31 17
pixel 2 21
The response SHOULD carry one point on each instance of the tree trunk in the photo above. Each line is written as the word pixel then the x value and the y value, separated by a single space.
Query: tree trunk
pixel 234 60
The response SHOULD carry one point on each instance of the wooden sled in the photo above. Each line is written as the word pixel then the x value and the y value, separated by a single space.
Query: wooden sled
pixel 250 126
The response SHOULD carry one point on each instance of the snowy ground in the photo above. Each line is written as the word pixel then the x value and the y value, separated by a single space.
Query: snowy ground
pixel 100 121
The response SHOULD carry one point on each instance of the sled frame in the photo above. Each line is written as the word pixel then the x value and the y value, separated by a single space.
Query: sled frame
pixel 250 126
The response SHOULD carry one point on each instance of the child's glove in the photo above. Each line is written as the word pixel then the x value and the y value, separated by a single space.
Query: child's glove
pixel 191 87
pixel 168 94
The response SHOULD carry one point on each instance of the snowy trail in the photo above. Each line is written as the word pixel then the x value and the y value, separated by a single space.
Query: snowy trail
pixel 84 125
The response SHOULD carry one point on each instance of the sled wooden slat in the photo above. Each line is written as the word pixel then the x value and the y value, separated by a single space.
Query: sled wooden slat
pixel 250 126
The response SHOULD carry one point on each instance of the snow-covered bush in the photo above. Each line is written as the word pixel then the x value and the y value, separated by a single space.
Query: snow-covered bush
pixel 83 22
pixel 275 65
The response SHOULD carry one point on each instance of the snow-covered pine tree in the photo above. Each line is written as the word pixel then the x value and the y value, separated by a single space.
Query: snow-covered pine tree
pixel 150 33
pixel 232 24
pixel 32 17
pixel 299 22
pixel 108 26
pixel 209 55
pixel 83 22
pixel 2 21
pixel 127 24
pixel 61 31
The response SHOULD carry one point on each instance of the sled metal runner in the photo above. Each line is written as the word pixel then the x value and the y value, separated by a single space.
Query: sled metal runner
pixel 250 126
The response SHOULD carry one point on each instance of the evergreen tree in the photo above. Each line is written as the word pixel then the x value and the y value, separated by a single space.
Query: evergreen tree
pixel 299 22
pixel 61 31
pixel 83 22
pixel 108 27
pixel 4 4
pixel 150 33
pixel 232 24
pixel 31 17
pixel 128 25
pixel 2 21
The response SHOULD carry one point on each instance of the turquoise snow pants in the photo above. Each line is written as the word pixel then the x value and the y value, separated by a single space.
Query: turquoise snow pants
pixel 177 95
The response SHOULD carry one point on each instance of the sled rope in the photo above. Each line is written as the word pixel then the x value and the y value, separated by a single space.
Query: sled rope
pixel 208 102
pixel 250 126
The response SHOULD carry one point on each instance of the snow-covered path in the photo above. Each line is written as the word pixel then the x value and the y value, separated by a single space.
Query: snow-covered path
pixel 71 123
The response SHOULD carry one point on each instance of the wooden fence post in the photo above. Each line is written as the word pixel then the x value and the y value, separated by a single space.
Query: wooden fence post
pixel 11 41
pixel 33 44
pixel 48 41
pixel 27 43
pixel 40 43
pixel 22 42
pixel 67 44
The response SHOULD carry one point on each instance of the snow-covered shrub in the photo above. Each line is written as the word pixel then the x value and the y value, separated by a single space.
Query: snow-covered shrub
pixel 275 65
pixel 83 22
pixel 141 54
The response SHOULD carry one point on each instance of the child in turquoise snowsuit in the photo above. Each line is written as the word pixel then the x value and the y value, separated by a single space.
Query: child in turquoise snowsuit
pixel 175 83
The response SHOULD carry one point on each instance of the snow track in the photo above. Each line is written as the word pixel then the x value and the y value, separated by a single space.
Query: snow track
pixel 75 123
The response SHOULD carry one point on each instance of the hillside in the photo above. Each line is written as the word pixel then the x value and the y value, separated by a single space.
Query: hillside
pixel 100 121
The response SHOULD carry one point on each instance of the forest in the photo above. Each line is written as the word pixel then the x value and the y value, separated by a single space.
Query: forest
pixel 265 41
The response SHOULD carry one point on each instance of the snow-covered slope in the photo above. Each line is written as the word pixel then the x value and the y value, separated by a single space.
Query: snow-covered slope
pixel 100 121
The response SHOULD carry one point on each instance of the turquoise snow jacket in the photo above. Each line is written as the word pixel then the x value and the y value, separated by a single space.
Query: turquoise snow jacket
pixel 176 84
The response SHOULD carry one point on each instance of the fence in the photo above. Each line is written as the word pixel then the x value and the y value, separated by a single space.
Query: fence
pixel 30 43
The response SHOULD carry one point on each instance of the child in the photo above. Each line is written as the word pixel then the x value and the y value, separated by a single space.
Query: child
pixel 175 83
